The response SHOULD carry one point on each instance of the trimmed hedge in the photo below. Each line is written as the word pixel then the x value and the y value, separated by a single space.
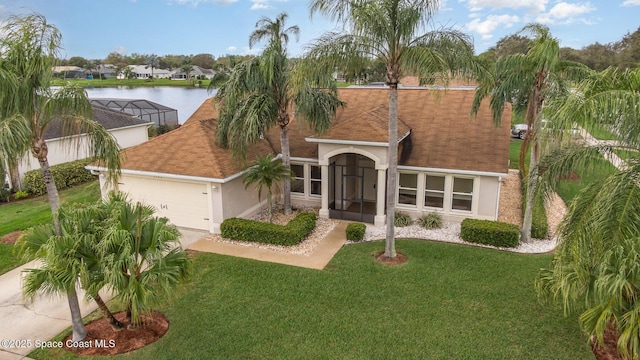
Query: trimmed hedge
pixel 489 232
pixel 256 231
pixel 65 175
pixel 355 231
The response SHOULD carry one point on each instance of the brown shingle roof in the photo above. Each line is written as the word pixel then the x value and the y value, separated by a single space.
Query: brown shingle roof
pixel 443 135
pixel 189 150
pixel 372 125
pixel 110 119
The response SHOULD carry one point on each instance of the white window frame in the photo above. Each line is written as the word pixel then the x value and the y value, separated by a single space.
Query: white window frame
pixel 443 191
pixel 296 178
pixel 312 180
pixel 472 193
pixel 416 189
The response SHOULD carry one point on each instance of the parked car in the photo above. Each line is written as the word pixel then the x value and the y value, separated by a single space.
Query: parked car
pixel 520 130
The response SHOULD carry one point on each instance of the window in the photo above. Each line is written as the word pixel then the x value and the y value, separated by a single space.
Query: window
pixel 315 185
pixel 407 189
pixel 297 178
pixel 462 194
pixel 434 192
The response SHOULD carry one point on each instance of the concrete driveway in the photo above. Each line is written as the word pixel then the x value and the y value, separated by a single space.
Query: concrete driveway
pixel 45 317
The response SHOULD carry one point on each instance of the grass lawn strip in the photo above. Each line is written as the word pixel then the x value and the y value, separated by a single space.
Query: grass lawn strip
pixel 447 302
pixel 23 214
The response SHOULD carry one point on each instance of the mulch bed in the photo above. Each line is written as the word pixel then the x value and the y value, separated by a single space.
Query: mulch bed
pixel 102 340
pixel 399 259
pixel 11 237
pixel 609 350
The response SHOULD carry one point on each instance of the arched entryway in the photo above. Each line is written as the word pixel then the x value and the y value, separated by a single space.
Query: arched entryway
pixel 352 187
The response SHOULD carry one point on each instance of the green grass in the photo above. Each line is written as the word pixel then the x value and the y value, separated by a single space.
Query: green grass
pixel 514 154
pixel 601 133
pixel 447 302
pixel 568 189
pixel 128 82
pixel 23 214
pixel 626 154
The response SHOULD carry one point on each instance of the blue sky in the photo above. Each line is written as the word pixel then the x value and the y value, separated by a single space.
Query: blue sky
pixel 94 28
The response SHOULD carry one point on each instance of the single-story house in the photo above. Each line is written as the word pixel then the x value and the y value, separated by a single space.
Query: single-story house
pixel 449 162
pixel 197 72
pixel 126 129
pixel 145 72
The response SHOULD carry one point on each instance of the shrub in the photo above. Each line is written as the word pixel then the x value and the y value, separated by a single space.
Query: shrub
pixel 402 219
pixel 20 194
pixel 539 224
pixel 355 231
pixel 65 175
pixel 431 221
pixel 489 232
pixel 4 193
pixel 256 231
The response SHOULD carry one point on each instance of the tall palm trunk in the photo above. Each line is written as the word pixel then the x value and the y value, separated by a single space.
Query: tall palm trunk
pixel 79 331
pixel 115 324
pixel 534 107
pixel 286 161
pixel 390 244
pixel 40 149
pixel 532 182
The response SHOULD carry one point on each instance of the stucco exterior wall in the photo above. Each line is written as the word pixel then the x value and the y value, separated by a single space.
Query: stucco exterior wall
pixel 238 201
pixel 64 150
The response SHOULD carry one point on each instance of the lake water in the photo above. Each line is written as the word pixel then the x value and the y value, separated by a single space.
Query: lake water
pixel 185 100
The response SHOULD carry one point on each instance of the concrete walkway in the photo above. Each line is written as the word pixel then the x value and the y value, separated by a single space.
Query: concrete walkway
pixel 47 317
pixel 318 259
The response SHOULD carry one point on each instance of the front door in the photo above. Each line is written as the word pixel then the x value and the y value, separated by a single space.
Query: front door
pixel 350 196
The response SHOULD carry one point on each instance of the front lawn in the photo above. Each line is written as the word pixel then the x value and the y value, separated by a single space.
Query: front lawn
pixel 447 302
pixel 23 214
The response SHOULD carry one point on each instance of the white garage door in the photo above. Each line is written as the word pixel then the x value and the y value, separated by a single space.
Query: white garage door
pixel 184 203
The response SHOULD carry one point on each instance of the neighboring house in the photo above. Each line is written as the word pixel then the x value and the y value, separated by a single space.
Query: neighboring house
pixel 198 72
pixel 146 110
pixel 108 71
pixel 144 72
pixel 126 129
pixel 449 162
pixel 68 72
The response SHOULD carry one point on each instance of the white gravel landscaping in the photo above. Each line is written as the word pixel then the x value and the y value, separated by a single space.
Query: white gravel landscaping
pixel 450 232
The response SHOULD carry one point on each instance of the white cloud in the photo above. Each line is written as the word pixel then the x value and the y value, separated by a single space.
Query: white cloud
pixel 631 3
pixel 260 4
pixel 533 6
pixel 232 48
pixel 120 50
pixel 565 13
pixel 195 3
pixel 486 28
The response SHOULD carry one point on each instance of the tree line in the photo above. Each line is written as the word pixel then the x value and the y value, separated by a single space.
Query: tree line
pixel 622 54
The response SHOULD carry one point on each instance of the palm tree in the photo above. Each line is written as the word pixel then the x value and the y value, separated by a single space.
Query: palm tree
pixel 187 69
pixel 527 81
pixel 595 266
pixel 142 257
pixel 261 92
pixel 67 257
pixel 267 172
pixel 29 106
pixel 392 31
pixel 151 61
